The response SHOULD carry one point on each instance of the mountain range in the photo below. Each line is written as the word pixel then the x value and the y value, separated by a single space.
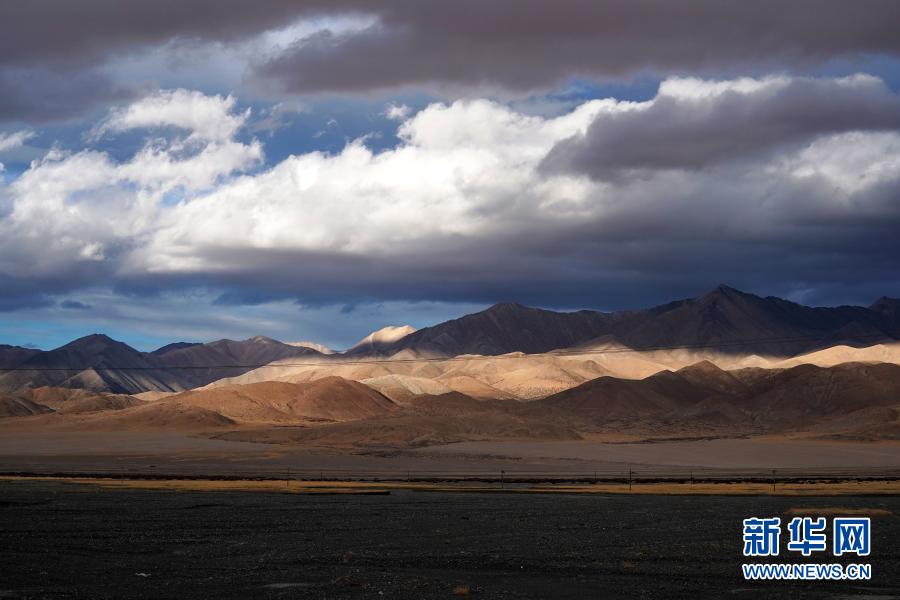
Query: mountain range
pixel 725 318
pixel 731 321
pixel 101 363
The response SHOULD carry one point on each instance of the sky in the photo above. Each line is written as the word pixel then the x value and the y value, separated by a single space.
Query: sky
pixel 313 170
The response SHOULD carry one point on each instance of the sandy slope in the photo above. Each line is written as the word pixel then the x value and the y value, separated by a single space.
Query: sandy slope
pixel 513 375
pixel 886 353
pixel 533 376
pixel 13 406
pixel 67 400
pixel 147 417
pixel 326 399
pixel 427 405
pixel 426 420
pixel 401 388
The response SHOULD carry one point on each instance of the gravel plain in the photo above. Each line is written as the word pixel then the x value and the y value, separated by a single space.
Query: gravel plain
pixel 64 540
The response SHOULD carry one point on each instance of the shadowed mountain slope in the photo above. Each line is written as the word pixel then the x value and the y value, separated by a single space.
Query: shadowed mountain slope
pixel 734 321
pixel 204 363
pixel 97 362
pixel 726 319
pixel 729 327
pixel 94 362
pixel 14 406
pixel 503 328
pixel 12 356
pixel 705 398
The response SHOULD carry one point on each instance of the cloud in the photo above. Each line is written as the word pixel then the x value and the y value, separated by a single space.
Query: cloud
pixel 442 182
pixel 397 112
pixel 208 118
pixel 527 45
pixel 95 30
pixel 72 217
pixel 692 124
pixel 39 95
pixel 108 51
pixel 8 141
pixel 74 305
pixel 465 210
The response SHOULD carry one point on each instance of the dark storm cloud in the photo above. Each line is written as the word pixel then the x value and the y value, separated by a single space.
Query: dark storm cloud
pixel 40 94
pixel 534 44
pixel 646 251
pixel 649 250
pixel 693 132
pixel 514 44
pixel 74 305
pixel 816 221
pixel 51 50
pixel 17 293
pixel 704 212
pixel 59 32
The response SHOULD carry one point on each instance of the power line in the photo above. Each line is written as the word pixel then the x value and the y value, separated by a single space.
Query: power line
pixel 460 358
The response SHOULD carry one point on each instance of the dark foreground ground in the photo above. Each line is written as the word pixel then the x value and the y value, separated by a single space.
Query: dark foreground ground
pixel 61 540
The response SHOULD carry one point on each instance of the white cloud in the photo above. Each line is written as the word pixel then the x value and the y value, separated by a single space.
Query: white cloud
pixel 8 141
pixel 443 180
pixel 397 112
pixel 692 124
pixel 70 208
pixel 851 162
pixel 461 204
pixel 208 118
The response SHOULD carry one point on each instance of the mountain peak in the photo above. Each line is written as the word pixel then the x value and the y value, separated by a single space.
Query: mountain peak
pixel 507 306
pixel 703 366
pixel 173 347
pixel 888 309
pixel 320 348
pixel 885 302
pixel 93 339
pixel 261 339
pixel 724 295
pixel 385 335
pixel 725 290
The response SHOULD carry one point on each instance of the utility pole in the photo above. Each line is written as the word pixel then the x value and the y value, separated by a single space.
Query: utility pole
pixel 629 480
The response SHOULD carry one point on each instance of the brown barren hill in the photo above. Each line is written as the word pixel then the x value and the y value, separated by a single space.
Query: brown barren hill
pixel 73 401
pixel 427 420
pixel 609 399
pixel 13 406
pixel 852 397
pixel 326 399
pixel 156 416
pixel 805 395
